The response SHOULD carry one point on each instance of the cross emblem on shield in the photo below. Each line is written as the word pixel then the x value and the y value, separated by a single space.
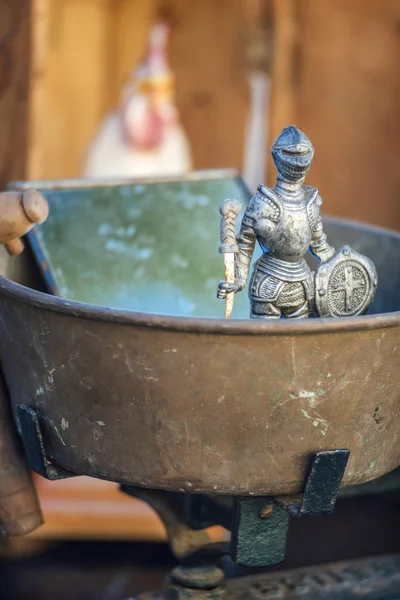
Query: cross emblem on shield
pixel 345 285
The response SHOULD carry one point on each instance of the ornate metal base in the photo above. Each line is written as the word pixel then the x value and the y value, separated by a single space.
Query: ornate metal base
pixel 371 578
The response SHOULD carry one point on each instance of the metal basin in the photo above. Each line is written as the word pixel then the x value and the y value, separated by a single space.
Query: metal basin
pixel 206 405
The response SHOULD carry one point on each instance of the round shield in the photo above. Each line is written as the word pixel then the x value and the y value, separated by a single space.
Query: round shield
pixel 345 285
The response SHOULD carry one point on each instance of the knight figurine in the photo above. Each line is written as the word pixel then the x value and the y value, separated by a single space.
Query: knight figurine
pixel 286 222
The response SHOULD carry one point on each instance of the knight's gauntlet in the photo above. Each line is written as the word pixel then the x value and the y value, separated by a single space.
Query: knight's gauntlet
pixel 319 244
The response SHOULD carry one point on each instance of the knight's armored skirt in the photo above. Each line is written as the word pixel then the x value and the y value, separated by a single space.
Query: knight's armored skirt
pixel 281 282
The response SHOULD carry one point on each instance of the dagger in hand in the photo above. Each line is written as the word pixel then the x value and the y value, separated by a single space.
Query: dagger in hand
pixel 229 210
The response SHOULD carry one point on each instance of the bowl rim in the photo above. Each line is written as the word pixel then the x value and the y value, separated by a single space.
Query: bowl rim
pixel 207 325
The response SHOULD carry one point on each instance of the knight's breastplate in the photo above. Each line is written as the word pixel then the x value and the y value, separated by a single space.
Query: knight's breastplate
pixel 288 236
pixel 291 237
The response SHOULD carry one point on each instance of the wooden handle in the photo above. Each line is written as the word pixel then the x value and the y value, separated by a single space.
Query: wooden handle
pixel 19 507
pixel 229 210
pixel 19 212
pixel 35 206
pixel 14 247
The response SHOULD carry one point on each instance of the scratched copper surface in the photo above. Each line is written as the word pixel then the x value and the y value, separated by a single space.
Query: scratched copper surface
pixel 209 405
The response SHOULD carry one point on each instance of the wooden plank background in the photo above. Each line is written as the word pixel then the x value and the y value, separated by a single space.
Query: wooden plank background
pixel 14 73
pixel 336 76
pixel 86 50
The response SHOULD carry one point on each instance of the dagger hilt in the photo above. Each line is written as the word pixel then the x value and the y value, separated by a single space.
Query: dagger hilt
pixel 229 210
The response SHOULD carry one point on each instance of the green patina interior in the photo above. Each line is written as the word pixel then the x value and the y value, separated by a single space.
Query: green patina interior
pixel 146 247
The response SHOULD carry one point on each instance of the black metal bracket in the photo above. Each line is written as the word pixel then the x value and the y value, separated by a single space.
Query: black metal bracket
pixel 322 486
pixel 32 438
pixel 259 531
pixel 259 525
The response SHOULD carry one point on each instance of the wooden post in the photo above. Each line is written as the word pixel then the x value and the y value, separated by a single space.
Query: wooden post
pixel 336 77
pixel 14 87
pixel 19 509
pixel 208 58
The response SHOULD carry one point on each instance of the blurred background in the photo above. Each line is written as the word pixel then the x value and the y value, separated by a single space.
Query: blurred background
pixel 132 88
pixel 242 70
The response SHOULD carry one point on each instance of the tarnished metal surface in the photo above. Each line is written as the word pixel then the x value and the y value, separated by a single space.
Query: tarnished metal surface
pixel 321 487
pixel 258 536
pixel 345 285
pixel 370 579
pixel 22 269
pixel 286 222
pixel 258 525
pixel 146 245
pixel 207 405
pixel 198 578
pixel 31 433
pixel 186 583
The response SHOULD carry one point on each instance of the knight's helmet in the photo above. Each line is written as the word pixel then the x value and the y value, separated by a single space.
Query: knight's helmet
pixel 292 152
